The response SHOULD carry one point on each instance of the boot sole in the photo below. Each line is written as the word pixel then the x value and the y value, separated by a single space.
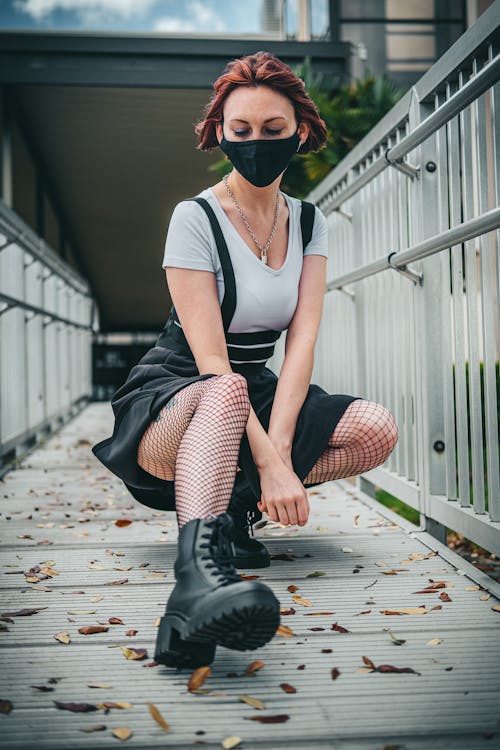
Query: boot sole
pixel 243 622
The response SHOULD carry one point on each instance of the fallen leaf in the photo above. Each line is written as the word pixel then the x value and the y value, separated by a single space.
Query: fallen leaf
pixel 292 589
pixel 231 742
pixel 76 707
pixel 5 706
pixel 123 733
pixel 89 629
pixel 317 614
pixel 254 702
pixel 335 673
pixel 285 631
pixel 404 611
pixel 339 628
pixel 134 653
pixel 299 600
pixel 114 704
pixel 315 574
pixel 287 687
pixel 81 612
pixel 346 549
pixel 289 611
pixel 23 612
pixel 116 583
pixel 115 621
pixel 123 522
pixel 155 713
pixel 276 719
pixel 198 677
pixel 98 685
pixel 63 637
pixel 254 666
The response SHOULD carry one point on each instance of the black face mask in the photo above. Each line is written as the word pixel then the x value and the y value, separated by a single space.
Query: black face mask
pixel 260 161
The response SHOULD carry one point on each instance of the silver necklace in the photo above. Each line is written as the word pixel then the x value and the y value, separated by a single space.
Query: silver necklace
pixel 263 248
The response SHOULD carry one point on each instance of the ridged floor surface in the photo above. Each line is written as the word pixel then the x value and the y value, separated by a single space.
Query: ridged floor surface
pixel 357 568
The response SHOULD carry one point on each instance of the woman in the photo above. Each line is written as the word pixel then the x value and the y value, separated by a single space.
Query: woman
pixel 243 262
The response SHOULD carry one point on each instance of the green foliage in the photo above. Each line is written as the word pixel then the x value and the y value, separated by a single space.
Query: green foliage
pixel 349 111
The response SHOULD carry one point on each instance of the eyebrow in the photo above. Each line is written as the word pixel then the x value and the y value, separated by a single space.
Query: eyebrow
pixel 276 117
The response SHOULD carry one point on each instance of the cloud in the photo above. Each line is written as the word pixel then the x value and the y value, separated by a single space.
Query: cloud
pixel 87 10
pixel 200 18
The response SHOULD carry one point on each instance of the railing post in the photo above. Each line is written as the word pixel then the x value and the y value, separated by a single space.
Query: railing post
pixel 425 220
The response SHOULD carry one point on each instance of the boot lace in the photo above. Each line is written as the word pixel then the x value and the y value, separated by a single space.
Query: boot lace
pixel 220 551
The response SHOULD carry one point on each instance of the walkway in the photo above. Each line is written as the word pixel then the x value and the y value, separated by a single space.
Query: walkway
pixel 370 591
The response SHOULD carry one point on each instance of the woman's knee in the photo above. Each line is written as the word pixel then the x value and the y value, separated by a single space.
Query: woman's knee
pixel 232 391
pixel 369 422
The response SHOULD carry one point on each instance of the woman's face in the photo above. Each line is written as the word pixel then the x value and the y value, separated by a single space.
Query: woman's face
pixel 252 112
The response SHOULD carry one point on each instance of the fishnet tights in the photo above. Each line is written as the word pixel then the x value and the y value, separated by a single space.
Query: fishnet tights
pixel 195 440
pixel 364 438
pixel 197 435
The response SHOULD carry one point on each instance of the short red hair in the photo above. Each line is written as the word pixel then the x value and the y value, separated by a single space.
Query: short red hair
pixel 261 68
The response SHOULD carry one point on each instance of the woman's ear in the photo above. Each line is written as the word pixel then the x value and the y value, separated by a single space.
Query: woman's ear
pixel 303 131
pixel 218 131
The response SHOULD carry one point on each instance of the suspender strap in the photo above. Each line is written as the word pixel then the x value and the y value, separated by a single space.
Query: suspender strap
pixel 306 222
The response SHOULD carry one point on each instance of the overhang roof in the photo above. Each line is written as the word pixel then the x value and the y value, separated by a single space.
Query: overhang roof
pixel 110 118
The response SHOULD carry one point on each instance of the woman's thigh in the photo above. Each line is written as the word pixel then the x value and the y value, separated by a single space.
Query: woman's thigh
pixel 157 449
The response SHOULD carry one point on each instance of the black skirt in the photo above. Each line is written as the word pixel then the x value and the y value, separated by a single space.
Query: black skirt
pixel 159 375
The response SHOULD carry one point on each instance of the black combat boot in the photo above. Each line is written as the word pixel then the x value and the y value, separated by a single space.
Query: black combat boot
pixel 247 552
pixel 210 604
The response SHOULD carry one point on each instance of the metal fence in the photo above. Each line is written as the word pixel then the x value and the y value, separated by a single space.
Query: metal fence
pixel 45 338
pixel 423 188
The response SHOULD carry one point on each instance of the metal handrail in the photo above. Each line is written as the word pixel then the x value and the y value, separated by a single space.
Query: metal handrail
pixel 477 85
pixel 487 222
pixel 13 302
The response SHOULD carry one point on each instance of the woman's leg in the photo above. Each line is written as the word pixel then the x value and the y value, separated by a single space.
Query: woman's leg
pixel 195 440
pixel 364 437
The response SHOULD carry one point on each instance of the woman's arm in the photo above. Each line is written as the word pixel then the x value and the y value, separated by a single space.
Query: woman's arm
pixel 295 375
pixel 195 298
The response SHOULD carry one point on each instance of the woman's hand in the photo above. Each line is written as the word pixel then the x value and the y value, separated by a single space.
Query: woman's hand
pixel 284 497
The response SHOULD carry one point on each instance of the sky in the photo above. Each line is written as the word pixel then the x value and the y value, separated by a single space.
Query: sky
pixel 161 16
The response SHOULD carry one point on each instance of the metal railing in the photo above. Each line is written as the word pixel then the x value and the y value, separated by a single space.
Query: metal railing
pixel 423 188
pixel 46 317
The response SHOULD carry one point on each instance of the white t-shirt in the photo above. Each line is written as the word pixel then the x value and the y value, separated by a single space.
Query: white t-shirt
pixel 265 298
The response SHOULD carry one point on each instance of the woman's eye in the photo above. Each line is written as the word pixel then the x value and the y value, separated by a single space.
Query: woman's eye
pixel 271 131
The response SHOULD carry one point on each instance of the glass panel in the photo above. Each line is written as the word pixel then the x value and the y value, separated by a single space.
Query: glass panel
pixel 320 25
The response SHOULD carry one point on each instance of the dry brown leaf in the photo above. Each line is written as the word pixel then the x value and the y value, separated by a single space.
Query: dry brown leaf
pixel 496 608
pixel 434 641
pixel 116 583
pixel 276 719
pixel 98 685
pixel 89 629
pixel 115 704
pixel 254 702
pixel 198 677
pixel 63 637
pixel 287 687
pixel 81 611
pixel 115 621
pixel 123 733
pixel 254 666
pixel 96 598
pixel 123 522
pixel 285 631
pixel 299 600
pixel 155 713
pixel 292 589
pixel 134 653
pixel 404 611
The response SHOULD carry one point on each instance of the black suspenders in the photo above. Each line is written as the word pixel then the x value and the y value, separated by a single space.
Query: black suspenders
pixel 172 331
